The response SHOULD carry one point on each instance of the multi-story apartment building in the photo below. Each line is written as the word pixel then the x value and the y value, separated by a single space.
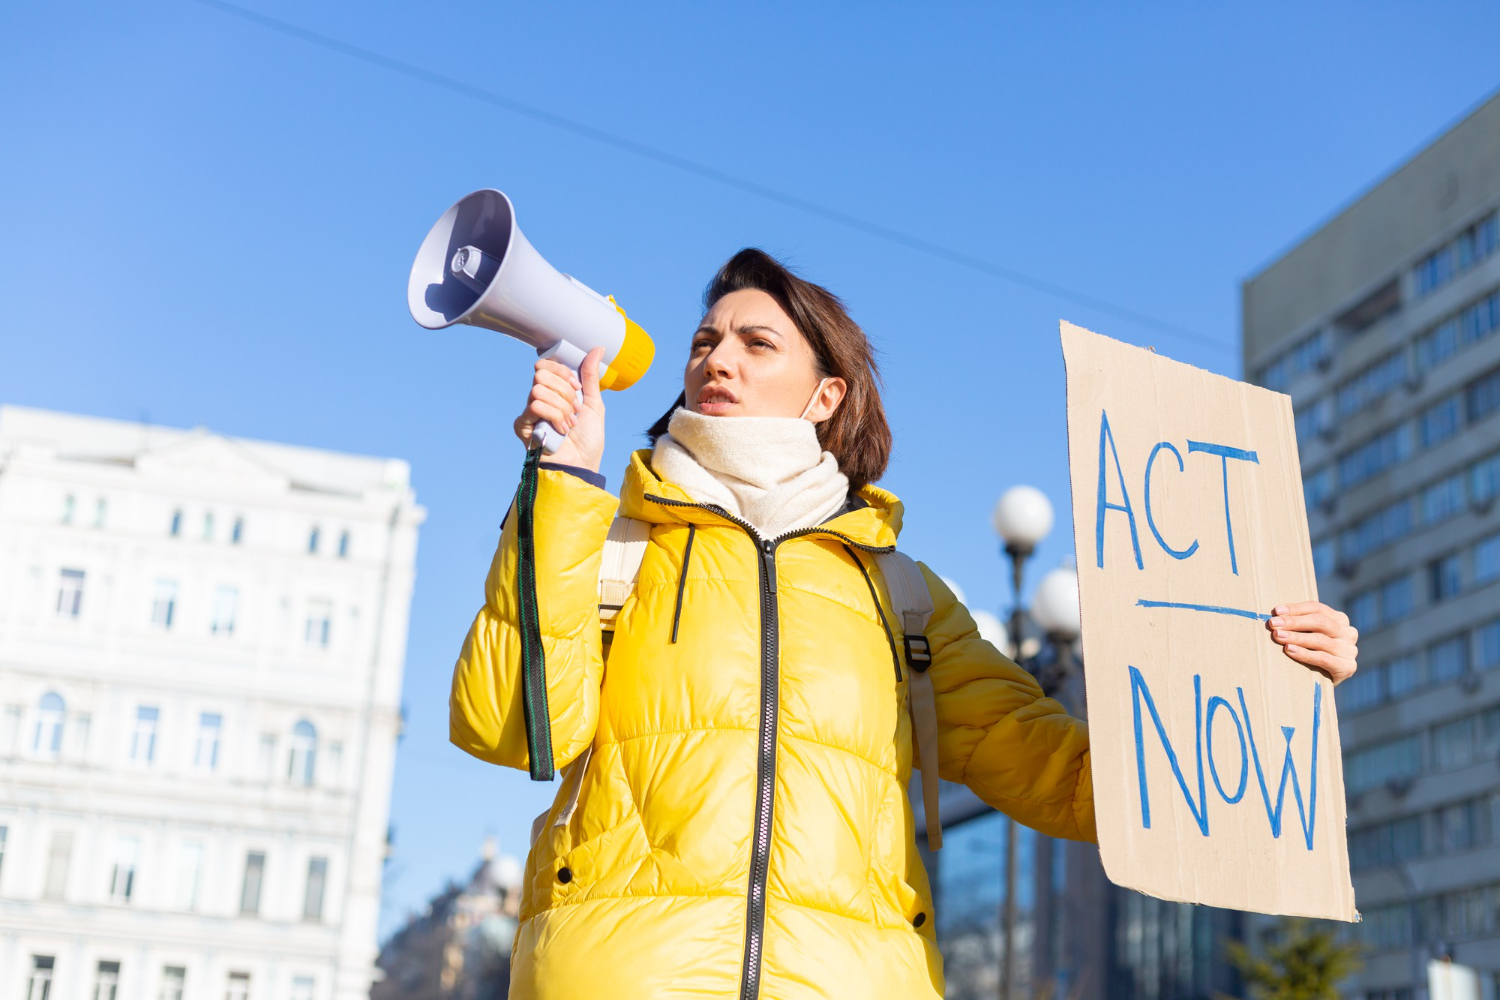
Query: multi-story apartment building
pixel 201 649
pixel 1384 327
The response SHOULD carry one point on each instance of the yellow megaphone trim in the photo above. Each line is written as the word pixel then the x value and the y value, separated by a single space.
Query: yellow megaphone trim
pixel 633 358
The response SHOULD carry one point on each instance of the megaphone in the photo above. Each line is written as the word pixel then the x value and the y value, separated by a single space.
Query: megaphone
pixel 476 267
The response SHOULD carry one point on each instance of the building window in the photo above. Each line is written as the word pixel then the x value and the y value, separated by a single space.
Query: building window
pixel 1473 246
pixel 239 986
pixel 237 532
pixel 101 509
pixel 1440 421
pixel 173 979
pixel 39 983
pixel 1397 599
pixel 1323 557
pixel 122 874
pixel 1448 660
pixel 1453 744
pixel 312 540
pixel 1375 456
pixel 319 622
pixel 1484 480
pixel 1311 352
pixel 208 526
pixel 1368 692
pixel 164 604
pixel 1482 396
pixel 107 981
pixel 1386 525
pixel 1487 559
pixel 69 593
pixel 343 545
pixel 1489 646
pixel 143 736
pixel 176 529
pixel 50 713
pixel 1478 242
pixel 1445 576
pixel 1435 270
pixel 1314 419
pixel 303 759
pixel 226 604
pixel 1403 675
pixel 312 897
pixel 1317 487
pixel 255 872
pixel 1400 758
pixel 69 504
pixel 59 855
pixel 1371 385
pixel 206 750
pixel 302 988
pixel 1443 499
pixel 189 871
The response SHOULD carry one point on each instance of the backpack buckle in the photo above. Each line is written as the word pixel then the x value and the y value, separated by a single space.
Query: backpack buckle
pixel 918 652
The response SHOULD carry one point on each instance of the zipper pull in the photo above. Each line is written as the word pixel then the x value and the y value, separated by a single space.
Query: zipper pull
pixel 768 558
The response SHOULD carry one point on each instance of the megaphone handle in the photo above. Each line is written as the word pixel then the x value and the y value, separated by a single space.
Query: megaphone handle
pixel 564 353
pixel 550 437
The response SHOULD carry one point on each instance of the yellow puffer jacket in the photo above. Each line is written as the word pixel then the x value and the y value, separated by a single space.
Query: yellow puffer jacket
pixel 742 828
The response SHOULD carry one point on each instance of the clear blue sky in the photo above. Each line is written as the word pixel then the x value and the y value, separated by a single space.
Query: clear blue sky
pixel 211 222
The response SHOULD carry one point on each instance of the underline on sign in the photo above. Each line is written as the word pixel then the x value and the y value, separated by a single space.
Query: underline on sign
pixel 1213 608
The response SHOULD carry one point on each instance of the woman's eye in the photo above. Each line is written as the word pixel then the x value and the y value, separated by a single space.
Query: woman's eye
pixel 761 343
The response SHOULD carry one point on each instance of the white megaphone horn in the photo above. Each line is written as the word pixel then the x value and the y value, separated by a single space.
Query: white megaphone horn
pixel 476 267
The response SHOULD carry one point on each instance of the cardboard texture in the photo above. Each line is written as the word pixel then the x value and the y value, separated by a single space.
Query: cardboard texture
pixel 1218 776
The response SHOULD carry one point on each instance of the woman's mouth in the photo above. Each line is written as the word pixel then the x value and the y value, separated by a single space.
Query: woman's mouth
pixel 715 400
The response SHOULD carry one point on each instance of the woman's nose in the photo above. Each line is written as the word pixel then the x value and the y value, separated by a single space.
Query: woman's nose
pixel 718 363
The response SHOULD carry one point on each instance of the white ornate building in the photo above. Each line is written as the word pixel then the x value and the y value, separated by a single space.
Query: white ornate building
pixel 201 649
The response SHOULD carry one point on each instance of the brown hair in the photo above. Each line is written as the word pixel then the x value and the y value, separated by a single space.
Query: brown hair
pixel 857 434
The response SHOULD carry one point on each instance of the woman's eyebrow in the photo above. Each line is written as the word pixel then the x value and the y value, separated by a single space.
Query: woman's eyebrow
pixel 758 329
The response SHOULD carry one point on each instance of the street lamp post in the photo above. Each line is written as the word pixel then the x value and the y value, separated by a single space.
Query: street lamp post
pixel 1022 518
pixel 1054 609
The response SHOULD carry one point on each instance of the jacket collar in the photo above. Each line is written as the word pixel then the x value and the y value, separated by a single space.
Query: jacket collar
pixel 876 522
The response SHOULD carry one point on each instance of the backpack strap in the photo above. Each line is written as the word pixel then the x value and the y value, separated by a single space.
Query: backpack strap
pixel 912 602
pixel 624 549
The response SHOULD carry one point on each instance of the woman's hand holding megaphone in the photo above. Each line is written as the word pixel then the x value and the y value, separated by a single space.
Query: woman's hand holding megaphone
pixel 554 398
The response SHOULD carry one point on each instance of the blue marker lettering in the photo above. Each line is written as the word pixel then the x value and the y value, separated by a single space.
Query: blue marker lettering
pixel 1288 770
pixel 1199 809
pixel 1225 453
pixel 1214 704
pixel 1104 505
pixel 1150 520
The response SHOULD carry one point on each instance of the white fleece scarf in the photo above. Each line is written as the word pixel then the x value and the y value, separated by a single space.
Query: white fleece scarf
pixel 769 471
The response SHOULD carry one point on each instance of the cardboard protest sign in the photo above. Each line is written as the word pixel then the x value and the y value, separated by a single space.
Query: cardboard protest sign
pixel 1218 776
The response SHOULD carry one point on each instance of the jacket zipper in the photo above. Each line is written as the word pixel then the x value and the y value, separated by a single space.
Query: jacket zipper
pixel 770 710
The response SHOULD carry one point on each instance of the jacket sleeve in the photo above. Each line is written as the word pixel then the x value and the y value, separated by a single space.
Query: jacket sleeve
pixel 1016 749
pixel 486 714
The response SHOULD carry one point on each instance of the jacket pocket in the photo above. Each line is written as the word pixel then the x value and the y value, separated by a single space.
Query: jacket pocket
pixel 898 902
pixel 597 850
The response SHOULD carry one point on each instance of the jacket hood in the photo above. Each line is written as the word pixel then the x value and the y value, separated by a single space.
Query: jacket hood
pixel 877 523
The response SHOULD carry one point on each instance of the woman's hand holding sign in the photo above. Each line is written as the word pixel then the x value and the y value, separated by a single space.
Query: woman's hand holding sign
pixel 1317 636
pixel 554 398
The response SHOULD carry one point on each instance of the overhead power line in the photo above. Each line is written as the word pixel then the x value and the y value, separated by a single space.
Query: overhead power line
pixel 751 187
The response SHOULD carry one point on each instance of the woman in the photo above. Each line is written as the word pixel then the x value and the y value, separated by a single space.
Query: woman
pixel 742 827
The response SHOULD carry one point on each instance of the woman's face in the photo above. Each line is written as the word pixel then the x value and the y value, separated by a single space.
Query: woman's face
pixel 748 359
